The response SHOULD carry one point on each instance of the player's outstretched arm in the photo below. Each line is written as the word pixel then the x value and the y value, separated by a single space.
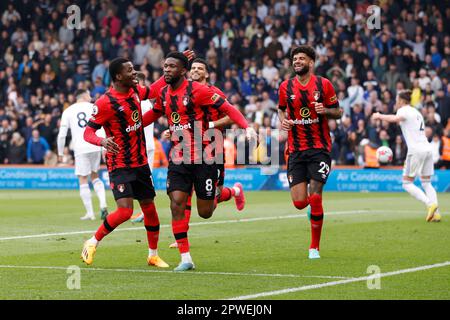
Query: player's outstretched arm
pixel 151 116
pixel 234 114
pixel 223 122
pixel 392 118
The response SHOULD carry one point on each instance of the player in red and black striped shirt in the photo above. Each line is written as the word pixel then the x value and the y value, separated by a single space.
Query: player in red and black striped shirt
pixel 118 111
pixel 306 102
pixel 186 104
pixel 199 72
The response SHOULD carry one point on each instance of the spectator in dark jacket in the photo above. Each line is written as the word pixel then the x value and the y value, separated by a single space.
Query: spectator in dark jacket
pixel 17 153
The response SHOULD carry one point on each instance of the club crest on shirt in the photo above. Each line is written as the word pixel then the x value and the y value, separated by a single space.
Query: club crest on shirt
pixel 121 187
pixel 185 100
pixel 94 110
pixel 333 99
pixel 316 95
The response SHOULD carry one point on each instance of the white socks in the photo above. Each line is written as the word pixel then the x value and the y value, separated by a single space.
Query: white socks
pixel 416 193
pixel 152 252
pixel 93 241
pixel 186 258
pixel 85 194
pixel 430 191
pixel 237 191
pixel 99 188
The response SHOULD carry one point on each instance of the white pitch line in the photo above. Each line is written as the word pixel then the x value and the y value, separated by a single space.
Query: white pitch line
pixel 332 213
pixel 276 275
pixel 336 283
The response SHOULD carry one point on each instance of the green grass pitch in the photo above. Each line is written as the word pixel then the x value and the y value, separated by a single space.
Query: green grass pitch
pixel 253 254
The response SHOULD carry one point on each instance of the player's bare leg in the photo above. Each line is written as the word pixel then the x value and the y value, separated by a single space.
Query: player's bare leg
pixel 180 225
pixel 315 200
pixel 99 188
pixel 205 208
pixel 151 223
pixel 112 221
pixel 85 194
pixel 299 195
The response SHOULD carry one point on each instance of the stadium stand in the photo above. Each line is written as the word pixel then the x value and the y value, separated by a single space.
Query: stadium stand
pixel 246 43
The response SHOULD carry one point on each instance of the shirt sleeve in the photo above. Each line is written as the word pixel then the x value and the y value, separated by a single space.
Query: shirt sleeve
pixel 156 87
pixel 64 125
pixel 153 91
pixel 282 101
pixel 204 96
pixel 402 113
pixel 330 99
pixel 101 114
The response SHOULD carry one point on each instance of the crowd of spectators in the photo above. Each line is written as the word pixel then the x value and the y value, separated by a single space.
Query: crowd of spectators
pixel 43 60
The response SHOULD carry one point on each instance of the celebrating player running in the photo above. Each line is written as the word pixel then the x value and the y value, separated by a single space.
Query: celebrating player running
pixel 306 102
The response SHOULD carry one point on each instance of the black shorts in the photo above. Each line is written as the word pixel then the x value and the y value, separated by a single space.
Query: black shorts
pixel 221 173
pixel 309 164
pixel 203 177
pixel 134 183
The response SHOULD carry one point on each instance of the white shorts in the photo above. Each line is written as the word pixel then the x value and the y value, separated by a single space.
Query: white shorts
pixel 86 163
pixel 419 164
pixel 151 157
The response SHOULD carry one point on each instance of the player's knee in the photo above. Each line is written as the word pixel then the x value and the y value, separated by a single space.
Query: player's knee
pixel 177 208
pixel 125 213
pixel 301 204
pixel 205 212
pixel 315 200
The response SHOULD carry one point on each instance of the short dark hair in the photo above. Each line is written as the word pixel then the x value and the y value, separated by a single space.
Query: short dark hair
pixel 116 66
pixel 80 92
pixel 202 61
pixel 179 56
pixel 308 50
pixel 405 95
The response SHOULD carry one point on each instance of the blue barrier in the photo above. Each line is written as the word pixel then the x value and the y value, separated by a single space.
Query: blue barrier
pixel 364 180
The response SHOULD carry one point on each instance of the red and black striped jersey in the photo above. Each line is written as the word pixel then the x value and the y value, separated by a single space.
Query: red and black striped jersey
pixel 215 114
pixel 188 109
pixel 121 116
pixel 310 130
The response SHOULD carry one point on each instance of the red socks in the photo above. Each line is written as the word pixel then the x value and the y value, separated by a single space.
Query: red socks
pixel 180 228
pixel 112 221
pixel 301 204
pixel 315 201
pixel 226 194
pixel 187 210
pixel 151 222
